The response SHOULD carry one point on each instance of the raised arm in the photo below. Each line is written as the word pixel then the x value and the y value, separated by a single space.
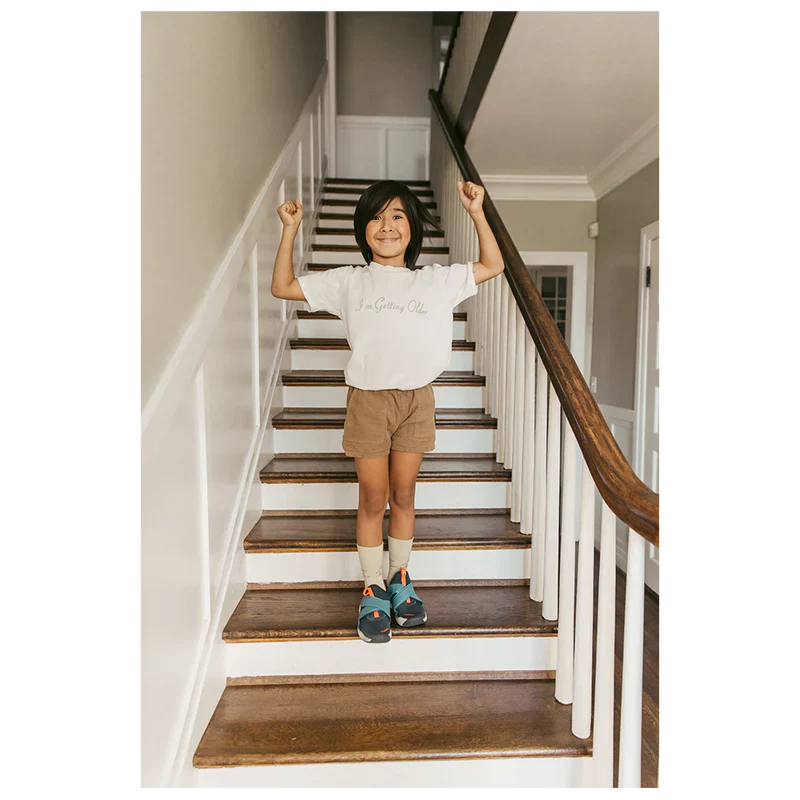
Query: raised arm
pixel 490 259
pixel 284 283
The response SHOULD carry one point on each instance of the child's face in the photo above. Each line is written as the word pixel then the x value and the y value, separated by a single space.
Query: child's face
pixel 388 233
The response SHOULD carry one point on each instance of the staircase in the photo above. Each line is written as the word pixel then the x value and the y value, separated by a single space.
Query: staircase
pixel 468 698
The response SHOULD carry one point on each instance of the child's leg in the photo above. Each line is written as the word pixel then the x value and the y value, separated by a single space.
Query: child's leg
pixel 403 470
pixel 373 494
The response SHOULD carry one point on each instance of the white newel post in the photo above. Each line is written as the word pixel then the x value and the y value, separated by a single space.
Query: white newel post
pixel 630 740
pixel 603 741
pixel 584 611
pixel 566 594
pixel 550 605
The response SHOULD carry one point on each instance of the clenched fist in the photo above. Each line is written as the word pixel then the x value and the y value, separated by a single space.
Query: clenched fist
pixel 291 214
pixel 471 196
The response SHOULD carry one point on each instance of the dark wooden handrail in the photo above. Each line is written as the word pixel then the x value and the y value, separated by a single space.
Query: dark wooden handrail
pixel 624 493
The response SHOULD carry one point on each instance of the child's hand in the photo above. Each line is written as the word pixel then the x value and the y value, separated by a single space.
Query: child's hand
pixel 291 214
pixel 471 196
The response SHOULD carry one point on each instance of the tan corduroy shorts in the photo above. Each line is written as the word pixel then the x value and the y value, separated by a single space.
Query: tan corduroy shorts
pixel 380 420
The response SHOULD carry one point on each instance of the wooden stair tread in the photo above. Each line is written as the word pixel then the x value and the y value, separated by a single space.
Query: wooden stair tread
pixel 351 232
pixel 339 468
pixel 370 181
pixel 333 343
pixel 316 418
pixel 354 248
pixel 352 203
pixel 330 215
pixel 298 613
pixel 281 531
pixel 319 719
pixel 303 314
pixel 419 191
pixel 335 377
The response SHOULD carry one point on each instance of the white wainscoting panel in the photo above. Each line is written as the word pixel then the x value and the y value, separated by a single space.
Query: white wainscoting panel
pixel 204 438
pixel 174 578
pixel 383 147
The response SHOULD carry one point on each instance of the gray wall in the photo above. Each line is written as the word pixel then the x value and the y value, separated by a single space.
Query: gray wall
pixel 549 225
pixel 622 213
pixel 221 92
pixel 384 63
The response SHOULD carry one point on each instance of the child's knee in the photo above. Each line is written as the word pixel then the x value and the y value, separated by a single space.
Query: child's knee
pixel 402 498
pixel 372 502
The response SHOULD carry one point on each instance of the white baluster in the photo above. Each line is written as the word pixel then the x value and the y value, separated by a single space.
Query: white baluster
pixel 550 604
pixel 566 594
pixel 540 478
pixel 528 436
pixel 519 414
pixel 584 611
pixel 603 739
pixel 630 740
pixel 498 311
pixel 488 353
pixel 511 360
pixel 501 377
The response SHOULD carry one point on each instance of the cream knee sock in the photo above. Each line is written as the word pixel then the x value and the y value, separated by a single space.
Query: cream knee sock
pixel 371 559
pixel 399 553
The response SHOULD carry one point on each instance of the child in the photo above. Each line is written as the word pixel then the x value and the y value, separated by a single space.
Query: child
pixel 398 318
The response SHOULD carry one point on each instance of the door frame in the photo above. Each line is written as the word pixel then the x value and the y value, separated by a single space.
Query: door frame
pixel 647 235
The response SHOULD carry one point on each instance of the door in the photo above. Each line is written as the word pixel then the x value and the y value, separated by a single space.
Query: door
pixel 553 286
pixel 647 379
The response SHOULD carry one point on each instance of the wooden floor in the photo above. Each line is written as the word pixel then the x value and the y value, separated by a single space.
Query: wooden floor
pixel 650 677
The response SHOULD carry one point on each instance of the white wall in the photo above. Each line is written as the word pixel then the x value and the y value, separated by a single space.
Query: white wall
pixel 205 437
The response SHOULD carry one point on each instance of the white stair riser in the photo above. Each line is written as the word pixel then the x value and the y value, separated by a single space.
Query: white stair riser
pixel 425 565
pixel 336 223
pixel 355 258
pixel 332 238
pixel 464 440
pixel 540 773
pixel 349 210
pixel 428 494
pixel 336 396
pixel 334 329
pixel 460 360
pixel 417 654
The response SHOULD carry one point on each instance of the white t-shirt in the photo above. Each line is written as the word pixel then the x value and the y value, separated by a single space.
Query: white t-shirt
pixel 398 321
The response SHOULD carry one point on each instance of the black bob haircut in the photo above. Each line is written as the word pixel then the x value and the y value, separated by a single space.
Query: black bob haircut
pixel 374 199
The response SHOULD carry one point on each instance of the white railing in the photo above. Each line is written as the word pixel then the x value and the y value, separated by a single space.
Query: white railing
pixel 529 440
pixel 469 38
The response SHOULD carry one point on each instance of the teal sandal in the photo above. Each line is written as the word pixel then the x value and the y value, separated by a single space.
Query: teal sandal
pixel 406 603
pixel 375 615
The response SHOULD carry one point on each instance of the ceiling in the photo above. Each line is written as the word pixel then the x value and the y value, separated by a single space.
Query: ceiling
pixel 570 93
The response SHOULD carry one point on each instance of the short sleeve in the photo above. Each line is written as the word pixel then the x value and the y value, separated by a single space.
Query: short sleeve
pixel 459 282
pixel 324 291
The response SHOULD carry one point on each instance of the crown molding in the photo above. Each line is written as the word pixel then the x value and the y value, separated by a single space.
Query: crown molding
pixel 634 154
pixel 569 188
